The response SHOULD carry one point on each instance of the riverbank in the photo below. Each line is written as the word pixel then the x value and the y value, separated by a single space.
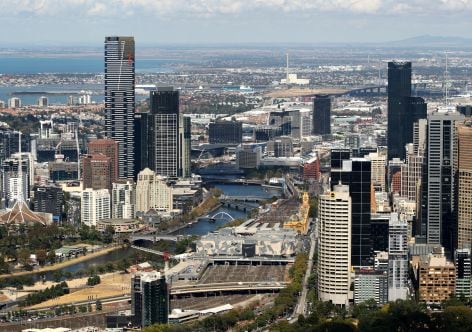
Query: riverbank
pixel 63 264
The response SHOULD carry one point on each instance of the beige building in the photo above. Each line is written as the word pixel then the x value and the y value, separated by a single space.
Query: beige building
pixel 378 162
pixel 437 278
pixel 334 246
pixel 464 199
pixel 152 192
pixel 411 174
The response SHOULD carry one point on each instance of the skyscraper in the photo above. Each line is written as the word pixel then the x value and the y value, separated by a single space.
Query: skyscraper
pixel 356 173
pixel 149 298
pixel 334 275
pixel 169 135
pixel 439 185
pixel 397 258
pixel 464 186
pixel 403 110
pixel 120 100
pixel 97 170
pixel 109 148
pixel 322 115
pixel 462 260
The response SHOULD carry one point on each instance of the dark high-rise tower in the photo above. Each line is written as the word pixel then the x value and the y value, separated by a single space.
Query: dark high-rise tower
pixel 355 172
pixel 322 115
pixel 403 110
pixel 163 136
pixel 120 100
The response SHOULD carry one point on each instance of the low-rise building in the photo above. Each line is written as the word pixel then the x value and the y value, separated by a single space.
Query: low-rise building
pixel 437 278
pixel 120 226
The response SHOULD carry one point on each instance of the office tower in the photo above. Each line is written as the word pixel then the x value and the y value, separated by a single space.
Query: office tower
pixel 120 100
pixel 465 110
pixel 97 171
pixel 9 141
pixel 356 173
pixel 411 173
pixel 185 139
pixel 15 182
pixel 43 101
pixel 394 175
pixel 94 206
pixel 169 135
pixel 378 164
pixel 437 278
pixel 49 199
pixel 289 122
pixel 440 182
pixel 379 231
pixel 311 169
pixel 109 148
pixel 464 185
pixel 420 130
pixel 280 147
pixel 248 156
pixel 266 133
pixel 397 258
pixel 123 200
pixel 149 298
pixel 403 110
pixel 153 192
pixel 142 132
pixel 322 115
pixel 334 241
pixel 337 157
pixel 462 259
pixel 225 132
pixel 370 284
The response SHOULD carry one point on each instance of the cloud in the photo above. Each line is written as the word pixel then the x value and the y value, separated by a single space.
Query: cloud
pixel 209 8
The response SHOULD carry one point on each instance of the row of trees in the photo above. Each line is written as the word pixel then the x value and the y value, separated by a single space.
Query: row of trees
pixel 46 294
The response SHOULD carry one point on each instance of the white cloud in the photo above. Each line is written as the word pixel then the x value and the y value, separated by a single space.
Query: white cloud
pixel 208 8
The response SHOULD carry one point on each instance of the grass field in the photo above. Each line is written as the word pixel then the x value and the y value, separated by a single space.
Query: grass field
pixel 112 284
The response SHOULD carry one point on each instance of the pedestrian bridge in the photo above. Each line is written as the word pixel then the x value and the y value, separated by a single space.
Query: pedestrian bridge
pixel 152 237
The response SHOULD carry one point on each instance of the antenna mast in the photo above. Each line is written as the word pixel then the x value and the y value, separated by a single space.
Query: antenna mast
pixel 287 69
pixel 446 77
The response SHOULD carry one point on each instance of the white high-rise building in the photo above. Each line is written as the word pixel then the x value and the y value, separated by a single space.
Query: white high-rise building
pixel 397 258
pixel 440 181
pixel 334 246
pixel 152 192
pixel 14 102
pixel 123 200
pixel 95 206
pixel 43 101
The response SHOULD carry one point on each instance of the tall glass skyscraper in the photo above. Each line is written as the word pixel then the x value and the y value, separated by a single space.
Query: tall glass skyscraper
pixel 403 109
pixel 356 173
pixel 120 100
pixel 322 115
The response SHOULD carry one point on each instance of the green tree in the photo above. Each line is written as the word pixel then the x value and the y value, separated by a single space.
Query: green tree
pixel 98 305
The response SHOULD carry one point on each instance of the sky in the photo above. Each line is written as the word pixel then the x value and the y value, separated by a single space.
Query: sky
pixel 154 22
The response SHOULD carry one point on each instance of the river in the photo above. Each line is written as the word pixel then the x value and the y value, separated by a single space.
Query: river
pixel 199 228
pixel 204 226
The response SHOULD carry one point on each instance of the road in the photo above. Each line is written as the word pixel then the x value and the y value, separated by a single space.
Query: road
pixel 300 309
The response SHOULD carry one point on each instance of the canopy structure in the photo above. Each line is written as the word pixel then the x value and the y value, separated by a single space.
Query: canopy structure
pixel 21 214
